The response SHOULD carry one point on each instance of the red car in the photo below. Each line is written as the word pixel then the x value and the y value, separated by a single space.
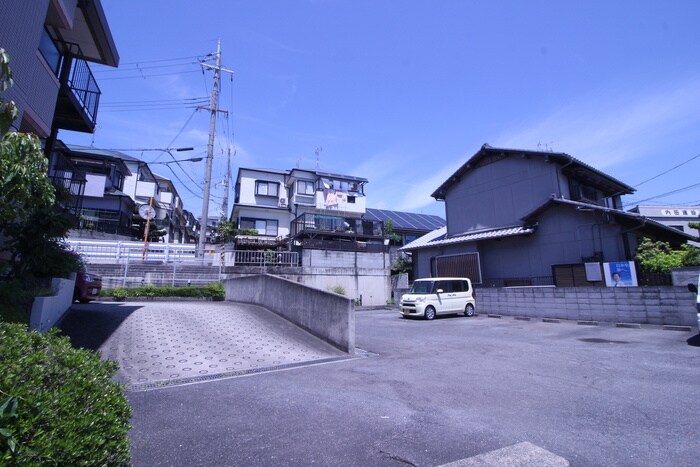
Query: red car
pixel 87 287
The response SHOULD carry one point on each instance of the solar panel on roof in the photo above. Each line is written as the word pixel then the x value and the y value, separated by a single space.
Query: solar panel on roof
pixel 406 220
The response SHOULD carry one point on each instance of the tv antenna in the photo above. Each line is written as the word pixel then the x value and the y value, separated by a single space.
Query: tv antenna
pixel 318 157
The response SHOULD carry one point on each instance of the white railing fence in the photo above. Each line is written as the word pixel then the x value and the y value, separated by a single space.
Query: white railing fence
pixel 128 264
pixel 121 252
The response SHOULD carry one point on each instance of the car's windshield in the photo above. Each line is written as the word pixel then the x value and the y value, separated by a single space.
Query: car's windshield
pixel 422 287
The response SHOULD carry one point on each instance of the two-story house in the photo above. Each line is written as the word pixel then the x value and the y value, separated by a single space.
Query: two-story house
pixel 170 217
pixel 117 185
pixel 105 207
pixel 309 208
pixel 513 215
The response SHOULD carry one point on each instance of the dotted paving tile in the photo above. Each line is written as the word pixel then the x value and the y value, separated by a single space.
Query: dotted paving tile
pixel 164 343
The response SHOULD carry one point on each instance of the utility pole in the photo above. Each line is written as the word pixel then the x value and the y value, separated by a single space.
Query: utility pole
pixel 213 108
pixel 227 180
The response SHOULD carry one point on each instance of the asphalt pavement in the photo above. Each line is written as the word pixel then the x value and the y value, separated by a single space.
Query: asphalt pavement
pixel 459 391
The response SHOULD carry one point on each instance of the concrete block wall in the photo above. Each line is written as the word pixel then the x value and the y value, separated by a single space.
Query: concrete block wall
pixel 643 305
pixel 47 311
pixel 326 315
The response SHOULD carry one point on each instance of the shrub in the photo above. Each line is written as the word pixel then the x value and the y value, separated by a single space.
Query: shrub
pixel 59 404
pixel 339 289
pixel 660 257
pixel 17 296
pixel 214 290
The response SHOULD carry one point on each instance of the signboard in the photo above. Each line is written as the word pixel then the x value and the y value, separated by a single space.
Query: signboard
pixel 681 212
pixel 620 274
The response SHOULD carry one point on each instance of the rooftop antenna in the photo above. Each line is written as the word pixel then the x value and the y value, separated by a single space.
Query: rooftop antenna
pixel 546 146
pixel 318 157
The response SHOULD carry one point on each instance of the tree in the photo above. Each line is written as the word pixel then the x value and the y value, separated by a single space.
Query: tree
pixel 24 182
pixel 33 226
pixel 660 257
pixel 394 238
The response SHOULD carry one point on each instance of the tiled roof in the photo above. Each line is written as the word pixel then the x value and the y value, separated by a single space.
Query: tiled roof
pixel 643 220
pixel 438 237
pixel 561 157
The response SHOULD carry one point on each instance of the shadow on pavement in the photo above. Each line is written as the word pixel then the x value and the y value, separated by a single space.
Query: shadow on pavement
pixel 89 326
pixel 694 341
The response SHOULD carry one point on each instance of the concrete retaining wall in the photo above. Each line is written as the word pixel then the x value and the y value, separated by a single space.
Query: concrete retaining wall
pixel 47 311
pixel 643 305
pixel 326 315
pixel 363 276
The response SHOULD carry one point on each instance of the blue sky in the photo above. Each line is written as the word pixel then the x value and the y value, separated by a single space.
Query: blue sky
pixel 403 92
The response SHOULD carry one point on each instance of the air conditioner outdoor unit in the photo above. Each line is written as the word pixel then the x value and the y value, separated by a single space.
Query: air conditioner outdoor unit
pixel 283 203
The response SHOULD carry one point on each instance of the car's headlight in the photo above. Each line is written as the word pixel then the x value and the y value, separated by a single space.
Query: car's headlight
pixel 420 299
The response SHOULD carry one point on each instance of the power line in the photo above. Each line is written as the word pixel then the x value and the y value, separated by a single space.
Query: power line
pixel 669 193
pixel 114 103
pixel 178 134
pixel 139 68
pixel 150 76
pixel 138 109
pixel 667 171
pixel 160 60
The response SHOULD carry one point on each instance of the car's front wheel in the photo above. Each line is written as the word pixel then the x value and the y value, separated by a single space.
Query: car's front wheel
pixel 469 310
pixel 429 313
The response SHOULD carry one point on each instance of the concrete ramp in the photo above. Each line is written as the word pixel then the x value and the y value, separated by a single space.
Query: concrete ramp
pixel 160 344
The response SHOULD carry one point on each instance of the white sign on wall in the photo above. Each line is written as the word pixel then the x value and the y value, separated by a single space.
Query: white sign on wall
pixel 681 212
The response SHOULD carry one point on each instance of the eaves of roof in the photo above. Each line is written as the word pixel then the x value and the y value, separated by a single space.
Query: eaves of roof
pixel 632 216
pixel 563 158
pixel 439 237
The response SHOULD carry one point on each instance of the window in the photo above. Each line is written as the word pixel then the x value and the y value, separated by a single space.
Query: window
pixel 266 227
pixel 351 199
pixel 48 50
pixel 266 188
pixel 582 192
pixel 305 187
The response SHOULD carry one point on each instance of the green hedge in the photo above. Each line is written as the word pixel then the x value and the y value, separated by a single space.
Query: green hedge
pixel 215 291
pixel 17 297
pixel 58 404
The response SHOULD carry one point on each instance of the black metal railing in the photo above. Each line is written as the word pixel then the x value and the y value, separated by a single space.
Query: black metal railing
pixel 343 245
pixel 348 226
pixel 654 278
pixel 84 86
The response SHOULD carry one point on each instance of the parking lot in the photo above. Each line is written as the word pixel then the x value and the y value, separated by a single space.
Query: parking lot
pixel 431 393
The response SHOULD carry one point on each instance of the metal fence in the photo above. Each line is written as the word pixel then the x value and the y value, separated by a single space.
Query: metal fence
pixel 261 258
pixel 124 252
pixel 175 274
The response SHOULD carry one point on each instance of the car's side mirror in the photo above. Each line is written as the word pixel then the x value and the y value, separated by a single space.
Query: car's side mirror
pixel 439 291
pixel 693 288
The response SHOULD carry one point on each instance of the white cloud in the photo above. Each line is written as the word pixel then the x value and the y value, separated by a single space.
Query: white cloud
pixel 607 130
pixel 399 180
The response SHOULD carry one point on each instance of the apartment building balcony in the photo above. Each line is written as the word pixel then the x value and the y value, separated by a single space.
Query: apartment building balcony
pixel 315 225
pixel 78 97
